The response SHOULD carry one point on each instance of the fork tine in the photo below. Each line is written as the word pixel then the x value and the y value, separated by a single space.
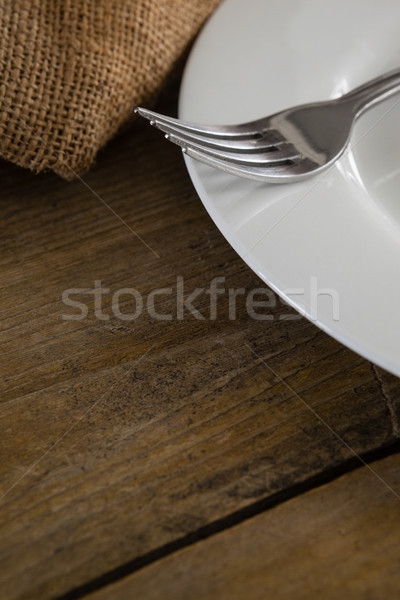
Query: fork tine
pixel 237 137
pixel 218 131
pixel 267 143
pixel 278 173
pixel 261 157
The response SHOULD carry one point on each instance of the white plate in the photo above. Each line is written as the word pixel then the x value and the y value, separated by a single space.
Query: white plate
pixel 329 246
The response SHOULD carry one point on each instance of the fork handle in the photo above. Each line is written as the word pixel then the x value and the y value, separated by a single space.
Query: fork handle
pixel 374 91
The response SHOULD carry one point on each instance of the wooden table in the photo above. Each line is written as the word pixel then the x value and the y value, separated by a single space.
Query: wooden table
pixel 177 456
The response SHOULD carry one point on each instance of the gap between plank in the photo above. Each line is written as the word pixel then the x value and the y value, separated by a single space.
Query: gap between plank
pixel 243 514
pixel 388 401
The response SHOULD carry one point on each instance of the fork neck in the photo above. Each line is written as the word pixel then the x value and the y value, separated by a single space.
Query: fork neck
pixel 367 95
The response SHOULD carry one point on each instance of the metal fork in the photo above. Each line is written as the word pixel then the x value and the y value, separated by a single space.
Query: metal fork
pixel 287 146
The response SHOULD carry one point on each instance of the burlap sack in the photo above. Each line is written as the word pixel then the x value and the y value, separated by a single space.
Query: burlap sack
pixel 72 72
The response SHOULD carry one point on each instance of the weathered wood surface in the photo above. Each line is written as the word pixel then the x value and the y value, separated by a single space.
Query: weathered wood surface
pixel 341 540
pixel 119 437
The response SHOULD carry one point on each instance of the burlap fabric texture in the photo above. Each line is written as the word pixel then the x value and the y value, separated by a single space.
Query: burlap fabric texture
pixel 72 72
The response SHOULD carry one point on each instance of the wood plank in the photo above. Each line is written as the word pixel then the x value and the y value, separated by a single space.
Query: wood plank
pixel 341 540
pixel 121 436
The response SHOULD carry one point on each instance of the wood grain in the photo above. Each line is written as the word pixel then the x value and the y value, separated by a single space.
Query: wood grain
pixel 119 437
pixel 337 541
